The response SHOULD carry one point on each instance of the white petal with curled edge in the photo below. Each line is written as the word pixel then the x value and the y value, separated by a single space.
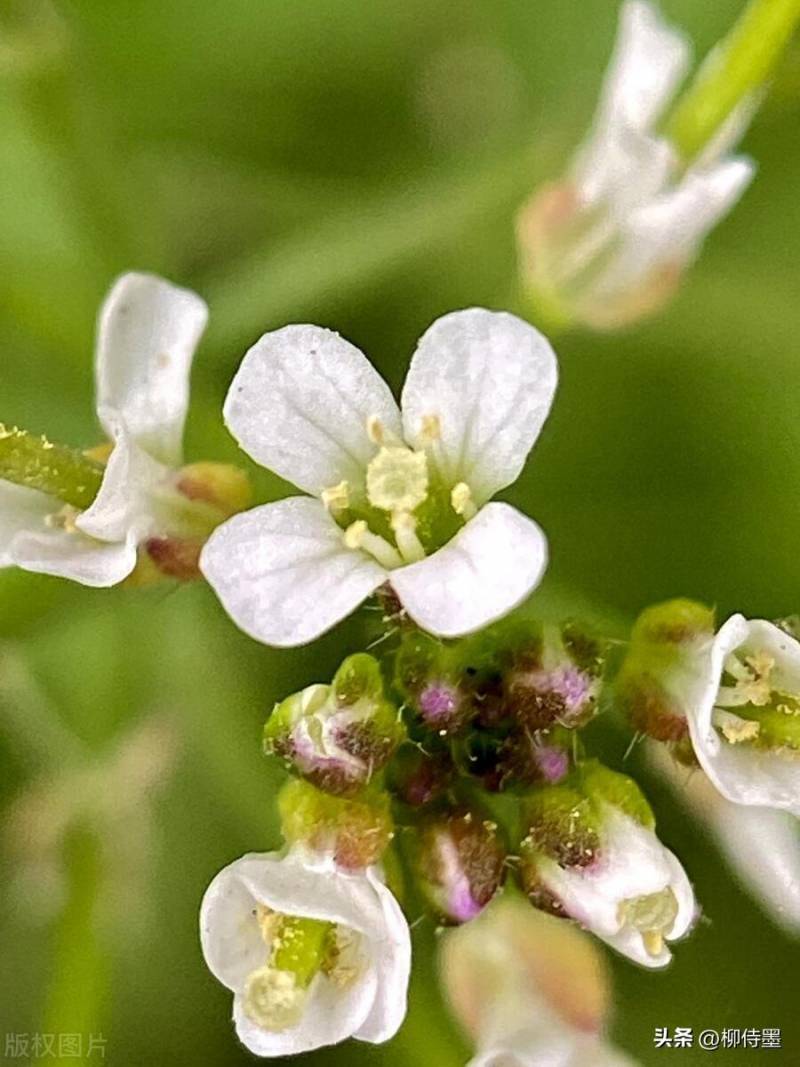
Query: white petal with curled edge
pixel 147 333
pixel 22 510
pixel 485 571
pixel 393 967
pixel 490 378
pixel 75 556
pixel 746 774
pixel 125 506
pixel 283 573
pixel 299 405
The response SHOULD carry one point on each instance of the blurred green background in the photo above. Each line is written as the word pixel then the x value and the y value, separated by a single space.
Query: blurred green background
pixel 357 164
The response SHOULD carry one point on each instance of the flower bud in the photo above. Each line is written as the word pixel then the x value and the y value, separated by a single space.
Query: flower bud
pixel 460 859
pixel 591 854
pixel 355 832
pixel 428 675
pixel 664 665
pixel 220 485
pixel 418 777
pixel 337 736
pixel 555 677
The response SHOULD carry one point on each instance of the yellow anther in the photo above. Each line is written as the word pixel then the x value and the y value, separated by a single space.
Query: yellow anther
pixel 359 535
pixel 461 501
pixel 355 533
pixel 337 498
pixel 734 728
pixel 653 941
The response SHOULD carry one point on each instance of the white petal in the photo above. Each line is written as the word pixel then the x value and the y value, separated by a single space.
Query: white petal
pixel 743 773
pixel 147 333
pixel 75 556
pixel 546 1043
pixel 124 508
pixel 283 574
pixel 21 510
pixel 393 967
pixel 299 406
pixel 487 569
pixel 490 377
pixel 650 59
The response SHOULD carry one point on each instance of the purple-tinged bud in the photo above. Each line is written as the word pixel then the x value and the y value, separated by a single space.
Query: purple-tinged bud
pixel 428 677
pixel 555 679
pixel 460 860
pixel 337 736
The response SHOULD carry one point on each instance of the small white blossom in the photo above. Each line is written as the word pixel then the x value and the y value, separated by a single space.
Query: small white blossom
pixel 762 845
pixel 348 978
pixel 744 714
pixel 529 989
pixel 610 242
pixel 634 894
pixel 147 333
pixel 397 497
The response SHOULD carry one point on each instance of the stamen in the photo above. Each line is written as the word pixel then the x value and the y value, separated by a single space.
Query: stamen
pixel 461 501
pixel 405 527
pixel 378 433
pixel 735 729
pixel 337 498
pixel 653 915
pixel 359 535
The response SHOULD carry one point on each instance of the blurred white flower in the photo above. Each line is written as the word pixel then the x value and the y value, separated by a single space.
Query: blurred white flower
pixel 530 990
pixel 610 242
pixel 399 497
pixel 147 333
pixel 762 845
pixel 313 955
pixel 744 715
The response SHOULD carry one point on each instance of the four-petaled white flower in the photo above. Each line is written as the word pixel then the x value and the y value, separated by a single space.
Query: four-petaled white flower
pixel 148 330
pixel 529 989
pixel 744 714
pixel 609 243
pixel 634 895
pixel 313 954
pixel 397 497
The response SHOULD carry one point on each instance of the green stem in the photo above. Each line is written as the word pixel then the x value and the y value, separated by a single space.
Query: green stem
pixel 61 472
pixel 738 66
pixel 74 999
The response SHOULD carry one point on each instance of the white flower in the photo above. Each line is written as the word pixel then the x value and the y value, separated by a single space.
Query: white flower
pixel 634 894
pixel 609 243
pixel 744 715
pixel 402 497
pixel 148 330
pixel 530 990
pixel 762 845
pixel 312 955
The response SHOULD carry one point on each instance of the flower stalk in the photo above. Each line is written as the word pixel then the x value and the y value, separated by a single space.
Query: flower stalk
pixel 36 463
pixel 739 66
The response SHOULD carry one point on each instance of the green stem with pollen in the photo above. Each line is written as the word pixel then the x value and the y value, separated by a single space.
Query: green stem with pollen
pixel 737 67
pixel 59 471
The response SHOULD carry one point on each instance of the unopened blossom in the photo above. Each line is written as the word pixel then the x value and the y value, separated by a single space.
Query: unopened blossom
pixel 313 955
pixel 529 990
pixel 761 845
pixel 744 715
pixel 337 736
pixel 609 243
pixel 460 861
pixel 393 497
pixel 147 333
pixel 592 854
